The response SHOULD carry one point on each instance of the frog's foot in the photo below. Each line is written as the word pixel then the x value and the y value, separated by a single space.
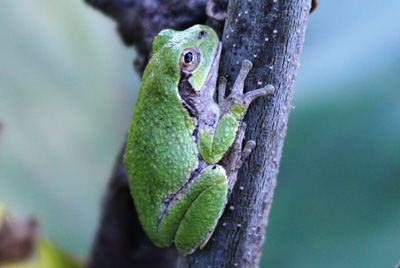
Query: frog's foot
pixel 248 148
pixel 236 95
pixel 241 154
pixel 236 148
pixel 236 156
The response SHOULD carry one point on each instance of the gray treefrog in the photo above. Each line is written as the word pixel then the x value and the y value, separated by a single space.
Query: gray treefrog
pixel 179 134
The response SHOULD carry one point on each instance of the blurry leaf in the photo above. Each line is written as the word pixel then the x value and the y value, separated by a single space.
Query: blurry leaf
pixel 48 256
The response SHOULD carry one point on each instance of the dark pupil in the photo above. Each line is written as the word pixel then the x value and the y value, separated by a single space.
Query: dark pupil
pixel 188 57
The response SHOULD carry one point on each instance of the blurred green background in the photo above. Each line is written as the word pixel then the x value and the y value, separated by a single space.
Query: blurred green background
pixel 67 89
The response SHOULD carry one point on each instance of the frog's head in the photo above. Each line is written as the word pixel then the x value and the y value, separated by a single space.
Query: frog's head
pixel 194 55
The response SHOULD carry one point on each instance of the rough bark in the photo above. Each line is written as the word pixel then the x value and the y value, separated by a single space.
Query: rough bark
pixel 140 21
pixel 270 34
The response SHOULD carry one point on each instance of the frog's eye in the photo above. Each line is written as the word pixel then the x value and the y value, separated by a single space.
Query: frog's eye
pixel 190 59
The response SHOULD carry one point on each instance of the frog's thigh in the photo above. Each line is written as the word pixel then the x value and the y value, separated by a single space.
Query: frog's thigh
pixel 204 212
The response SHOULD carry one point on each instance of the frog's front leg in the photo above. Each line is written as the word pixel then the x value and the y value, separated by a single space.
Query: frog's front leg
pixel 216 140
pixel 237 103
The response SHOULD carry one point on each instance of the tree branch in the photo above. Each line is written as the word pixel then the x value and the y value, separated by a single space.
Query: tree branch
pixel 140 21
pixel 271 34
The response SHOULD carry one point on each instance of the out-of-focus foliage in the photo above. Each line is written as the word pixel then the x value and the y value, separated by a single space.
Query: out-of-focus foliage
pixel 22 247
pixel 66 96
pixel 48 256
pixel 67 92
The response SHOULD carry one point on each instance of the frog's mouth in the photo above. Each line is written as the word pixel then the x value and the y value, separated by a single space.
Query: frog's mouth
pixel 207 91
pixel 212 76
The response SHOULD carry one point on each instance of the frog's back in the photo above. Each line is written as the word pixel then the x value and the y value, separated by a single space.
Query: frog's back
pixel 160 146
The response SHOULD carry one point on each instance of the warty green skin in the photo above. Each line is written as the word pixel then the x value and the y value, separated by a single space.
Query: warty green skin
pixel 175 141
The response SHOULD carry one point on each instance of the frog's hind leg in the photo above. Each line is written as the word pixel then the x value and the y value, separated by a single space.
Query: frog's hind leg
pixel 203 214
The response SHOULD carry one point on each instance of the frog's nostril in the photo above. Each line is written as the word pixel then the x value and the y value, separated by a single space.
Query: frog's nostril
pixel 202 34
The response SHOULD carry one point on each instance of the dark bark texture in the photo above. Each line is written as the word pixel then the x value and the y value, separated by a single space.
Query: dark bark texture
pixel 140 21
pixel 270 34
